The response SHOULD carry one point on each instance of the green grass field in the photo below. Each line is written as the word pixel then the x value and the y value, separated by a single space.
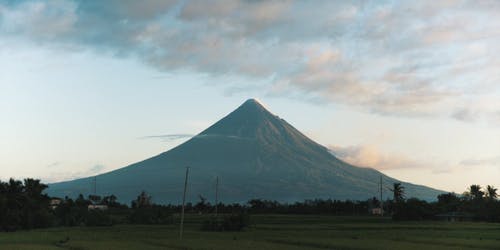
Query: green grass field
pixel 269 232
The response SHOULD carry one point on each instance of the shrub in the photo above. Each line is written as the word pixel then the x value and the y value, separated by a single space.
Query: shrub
pixel 150 215
pixel 97 218
pixel 232 222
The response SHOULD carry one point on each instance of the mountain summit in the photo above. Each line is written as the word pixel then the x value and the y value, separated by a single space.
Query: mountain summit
pixel 255 154
pixel 243 122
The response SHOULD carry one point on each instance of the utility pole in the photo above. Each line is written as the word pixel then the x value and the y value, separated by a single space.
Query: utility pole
pixel 95 185
pixel 381 201
pixel 216 194
pixel 184 202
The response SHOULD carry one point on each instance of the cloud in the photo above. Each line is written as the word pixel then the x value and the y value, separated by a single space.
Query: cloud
pixel 423 58
pixel 492 161
pixel 54 164
pixel 46 21
pixel 486 109
pixel 168 137
pixel 60 174
pixel 96 169
pixel 372 157
pixel 369 156
pixel 446 170
pixel 465 114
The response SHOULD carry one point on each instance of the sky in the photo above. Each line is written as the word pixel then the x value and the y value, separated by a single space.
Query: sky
pixel 410 88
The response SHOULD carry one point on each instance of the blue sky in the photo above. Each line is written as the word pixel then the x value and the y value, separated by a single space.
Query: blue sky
pixel 409 88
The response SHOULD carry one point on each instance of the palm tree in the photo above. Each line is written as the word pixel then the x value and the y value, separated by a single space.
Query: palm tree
pixel 34 188
pixel 15 199
pixel 475 192
pixel 491 192
pixel 3 204
pixel 15 195
pixel 398 192
pixel 143 200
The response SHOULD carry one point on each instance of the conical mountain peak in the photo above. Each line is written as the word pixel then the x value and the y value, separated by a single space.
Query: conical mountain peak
pixel 252 105
pixel 252 102
pixel 257 154
pixel 245 121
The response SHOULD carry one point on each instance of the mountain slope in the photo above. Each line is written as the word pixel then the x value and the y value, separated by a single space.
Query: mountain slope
pixel 255 154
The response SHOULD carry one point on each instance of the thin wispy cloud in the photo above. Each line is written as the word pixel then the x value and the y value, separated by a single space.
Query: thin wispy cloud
pixel 59 173
pixel 408 58
pixel 54 164
pixel 168 137
pixel 491 161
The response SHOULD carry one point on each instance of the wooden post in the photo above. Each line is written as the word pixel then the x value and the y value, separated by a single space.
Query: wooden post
pixel 216 194
pixel 183 203
pixel 381 198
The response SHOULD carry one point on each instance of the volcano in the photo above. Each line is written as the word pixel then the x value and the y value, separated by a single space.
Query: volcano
pixel 255 154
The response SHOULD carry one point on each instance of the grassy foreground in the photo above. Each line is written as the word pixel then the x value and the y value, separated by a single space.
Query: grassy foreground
pixel 269 232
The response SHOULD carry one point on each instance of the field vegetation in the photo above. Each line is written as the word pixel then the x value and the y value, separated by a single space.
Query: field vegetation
pixel 268 232
pixel 30 220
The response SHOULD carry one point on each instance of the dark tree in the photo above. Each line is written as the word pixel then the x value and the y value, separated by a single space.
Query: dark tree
pixel 475 192
pixel 23 206
pixel 491 193
pixel 143 200
pixel 398 192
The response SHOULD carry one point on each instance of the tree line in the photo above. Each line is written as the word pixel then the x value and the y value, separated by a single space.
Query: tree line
pixel 476 204
pixel 24 206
